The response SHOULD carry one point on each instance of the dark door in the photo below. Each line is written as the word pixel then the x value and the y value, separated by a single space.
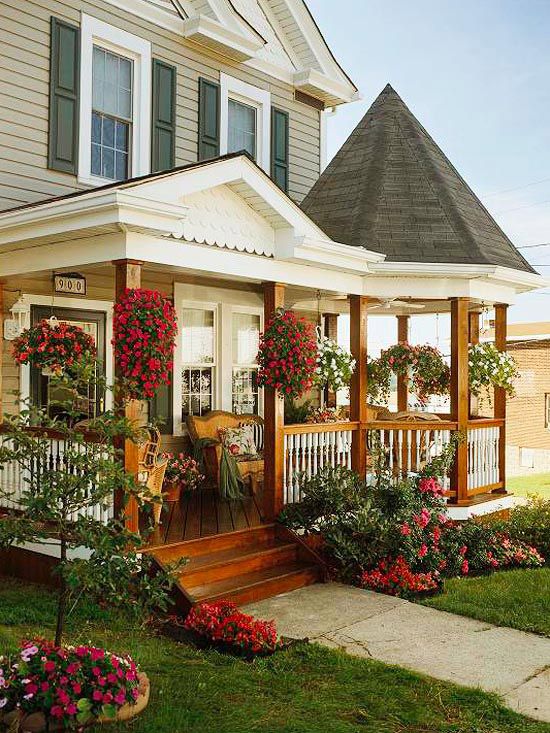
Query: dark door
pixel 43 393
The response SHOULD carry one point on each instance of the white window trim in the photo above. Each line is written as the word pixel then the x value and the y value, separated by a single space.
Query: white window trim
pixel 240 91
pixel 254 311
pixel 103 306
pixel 93 31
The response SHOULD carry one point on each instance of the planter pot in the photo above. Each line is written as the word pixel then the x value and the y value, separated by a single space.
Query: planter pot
pixel 49 372
pixel 17 722
pixel 171 490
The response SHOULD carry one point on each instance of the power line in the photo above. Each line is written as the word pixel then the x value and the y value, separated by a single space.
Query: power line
pixel 532 246
pixel 525 206
pixel 516 188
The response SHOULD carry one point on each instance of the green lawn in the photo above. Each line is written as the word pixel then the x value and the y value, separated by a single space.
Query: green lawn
pixel 517 598
pixel 537 484
pixel 308 689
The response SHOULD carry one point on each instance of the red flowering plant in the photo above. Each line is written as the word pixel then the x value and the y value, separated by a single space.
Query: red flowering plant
pixel 54 346
pixel 184 469
pixel 69 686
pixel 144 335
pixel 287 356
pixel 222 624
pixel 396 578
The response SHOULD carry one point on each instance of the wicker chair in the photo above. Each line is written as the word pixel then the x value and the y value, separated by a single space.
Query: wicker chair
pixel 208 427
pixel 151 469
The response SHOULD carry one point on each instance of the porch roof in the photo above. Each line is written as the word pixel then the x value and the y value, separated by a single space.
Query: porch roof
pixel 392 189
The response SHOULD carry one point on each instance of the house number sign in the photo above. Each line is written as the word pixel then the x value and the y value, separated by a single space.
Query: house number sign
pixel 71 283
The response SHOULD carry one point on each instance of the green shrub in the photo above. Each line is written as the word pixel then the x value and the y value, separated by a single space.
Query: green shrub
pixel 530 523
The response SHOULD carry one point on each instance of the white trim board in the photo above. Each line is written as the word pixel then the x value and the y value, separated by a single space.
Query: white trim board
pixel 94 31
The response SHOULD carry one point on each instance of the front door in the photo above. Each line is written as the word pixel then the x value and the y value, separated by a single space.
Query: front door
pixel 44 394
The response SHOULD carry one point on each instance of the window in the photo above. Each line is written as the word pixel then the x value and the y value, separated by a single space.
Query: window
pixel 115 104
pixel 199 353
pixel 547 410
pixel 111 114
pixel 245 120
pixel 241 133
pixel 245 342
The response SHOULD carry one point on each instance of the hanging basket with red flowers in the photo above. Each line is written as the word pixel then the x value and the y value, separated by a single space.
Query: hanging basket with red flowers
pixel 288 354
pixel 53 346
pixel 144 335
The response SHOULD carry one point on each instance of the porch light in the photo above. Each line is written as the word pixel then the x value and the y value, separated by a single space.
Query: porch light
pixel 14 326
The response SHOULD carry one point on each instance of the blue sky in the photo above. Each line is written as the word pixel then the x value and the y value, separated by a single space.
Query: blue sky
pixel 476 73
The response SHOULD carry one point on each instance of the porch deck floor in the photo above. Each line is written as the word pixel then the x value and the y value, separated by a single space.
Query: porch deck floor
pixel 204 514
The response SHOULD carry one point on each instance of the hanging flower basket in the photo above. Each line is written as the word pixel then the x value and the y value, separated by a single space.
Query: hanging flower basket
pixel 489 367
pixel 288 354
pixel 335 365
pixel 53 347
pixel 144 336
pixel 424 366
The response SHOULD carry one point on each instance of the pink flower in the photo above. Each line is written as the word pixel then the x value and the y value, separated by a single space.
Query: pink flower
pixel 464 568
pixel 56 711
pixel 405 529
pixel 97 696
pixel 423 551
pixel 49 666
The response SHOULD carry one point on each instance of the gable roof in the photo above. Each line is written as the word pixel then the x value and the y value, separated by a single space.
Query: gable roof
pixel 390 188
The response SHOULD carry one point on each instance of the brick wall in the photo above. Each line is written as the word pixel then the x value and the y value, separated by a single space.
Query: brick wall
pixel 525 424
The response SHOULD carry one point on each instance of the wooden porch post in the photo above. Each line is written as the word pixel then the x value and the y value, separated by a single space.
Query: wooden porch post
pixel 501 311
pixel 358 387
pixel 128 275
pixel 331 332
pixel 402 379
pixel 274 420
pixel 473 338
pixel 460 394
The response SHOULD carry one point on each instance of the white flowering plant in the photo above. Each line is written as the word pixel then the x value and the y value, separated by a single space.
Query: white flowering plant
pixel 489 367
pixel 335 365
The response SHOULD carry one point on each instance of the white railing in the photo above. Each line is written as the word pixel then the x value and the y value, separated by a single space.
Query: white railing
pixel 483 456
pixel 15 478
pixel 410 446
pixel 309 448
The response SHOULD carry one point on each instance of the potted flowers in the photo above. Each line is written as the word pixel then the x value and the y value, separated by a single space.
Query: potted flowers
pixel 335 365
pixel 51 688
pixel 182 474
pixel 489 367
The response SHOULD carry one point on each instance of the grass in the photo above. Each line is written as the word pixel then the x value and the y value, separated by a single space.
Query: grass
pixel 516 598
pixel 308 689
pixel 536 484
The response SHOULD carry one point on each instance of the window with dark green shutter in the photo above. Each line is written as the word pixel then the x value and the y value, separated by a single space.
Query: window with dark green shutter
pixel 64 88
pixel 209 119
pixel 163 148
pixel 279 148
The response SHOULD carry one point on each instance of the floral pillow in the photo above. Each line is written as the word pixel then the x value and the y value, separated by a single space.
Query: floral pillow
pixel 239 441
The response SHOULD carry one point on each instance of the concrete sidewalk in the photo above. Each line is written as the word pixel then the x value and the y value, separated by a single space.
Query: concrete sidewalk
pixel 454 648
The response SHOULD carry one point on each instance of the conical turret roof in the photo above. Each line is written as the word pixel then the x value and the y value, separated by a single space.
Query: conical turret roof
pixel 391 189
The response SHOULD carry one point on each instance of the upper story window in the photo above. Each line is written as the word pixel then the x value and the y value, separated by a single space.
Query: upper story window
pixel 245 120
pixel 115 103
pixel 111 114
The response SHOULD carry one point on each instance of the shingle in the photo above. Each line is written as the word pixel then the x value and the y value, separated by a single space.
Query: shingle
pixel 392 189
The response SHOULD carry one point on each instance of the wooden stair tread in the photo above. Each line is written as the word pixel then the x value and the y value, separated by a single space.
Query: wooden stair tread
pixel 247 580
pixel 234 556
pixel 242 538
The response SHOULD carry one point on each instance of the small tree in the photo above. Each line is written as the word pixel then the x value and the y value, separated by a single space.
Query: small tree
pixel 60 496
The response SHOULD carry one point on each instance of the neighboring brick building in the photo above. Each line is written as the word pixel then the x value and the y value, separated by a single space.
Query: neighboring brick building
pixel 528 413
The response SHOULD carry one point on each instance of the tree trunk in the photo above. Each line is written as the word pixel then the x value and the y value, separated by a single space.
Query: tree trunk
pixel 63 593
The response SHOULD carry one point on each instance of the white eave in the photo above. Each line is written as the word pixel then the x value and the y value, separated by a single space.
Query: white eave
pixel 320 86
pixel 207 32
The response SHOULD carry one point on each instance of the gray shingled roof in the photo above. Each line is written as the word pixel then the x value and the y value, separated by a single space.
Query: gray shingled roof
pixel 391 189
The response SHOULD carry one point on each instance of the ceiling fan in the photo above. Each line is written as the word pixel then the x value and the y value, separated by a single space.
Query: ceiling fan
pixel 389 303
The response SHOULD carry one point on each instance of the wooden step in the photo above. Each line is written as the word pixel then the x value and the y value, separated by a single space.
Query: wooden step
pixel 204 569
pixel 258 584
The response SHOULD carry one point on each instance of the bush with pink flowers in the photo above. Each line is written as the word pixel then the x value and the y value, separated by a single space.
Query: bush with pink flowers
pixel 67 687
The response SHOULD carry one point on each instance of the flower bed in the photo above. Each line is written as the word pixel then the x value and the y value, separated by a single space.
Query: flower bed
pixel 223 626
pixel 65 688
pixel 144 329
pixel 53 345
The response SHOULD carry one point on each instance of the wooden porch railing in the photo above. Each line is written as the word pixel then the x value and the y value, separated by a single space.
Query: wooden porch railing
pixel 14 478
pixel 409 446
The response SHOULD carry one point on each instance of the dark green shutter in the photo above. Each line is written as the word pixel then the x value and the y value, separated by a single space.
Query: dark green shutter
pixel 279 148
pixel 209 119
pixel 64 88
pixel 163 147
pixel 160 409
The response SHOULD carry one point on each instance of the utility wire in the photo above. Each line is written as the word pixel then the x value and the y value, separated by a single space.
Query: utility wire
pixel 516 188
pixel 532 246
pixel 525 206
